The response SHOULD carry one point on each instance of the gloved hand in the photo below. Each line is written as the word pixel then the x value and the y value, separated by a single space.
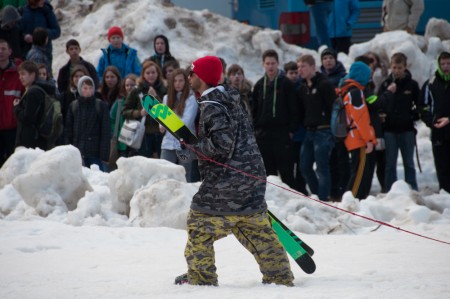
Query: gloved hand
pixel 185 154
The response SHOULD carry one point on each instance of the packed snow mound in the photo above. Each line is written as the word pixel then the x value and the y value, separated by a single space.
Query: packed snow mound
pixel 127 179
pixel 154 193
pixel 438 28
pixel 50 182
pixel 421 52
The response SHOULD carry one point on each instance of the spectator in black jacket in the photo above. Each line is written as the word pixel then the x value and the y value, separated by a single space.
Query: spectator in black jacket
pixel 73 49
pixel 335 71
pixel 331 67
pixel 291 70
pixel 11 31
pixel 29 110
pixel 316 96
pixel 275 118
pixel 401 112
pixel 435 107
pixel 88 125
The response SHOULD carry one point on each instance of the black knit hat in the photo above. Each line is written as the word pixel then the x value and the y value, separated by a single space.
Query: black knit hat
pixel 328 51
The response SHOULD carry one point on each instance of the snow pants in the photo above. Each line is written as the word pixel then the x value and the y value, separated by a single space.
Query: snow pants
pixel 254 232
pixel 361 176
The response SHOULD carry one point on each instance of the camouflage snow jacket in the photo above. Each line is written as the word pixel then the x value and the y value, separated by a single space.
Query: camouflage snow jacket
pixel 226 136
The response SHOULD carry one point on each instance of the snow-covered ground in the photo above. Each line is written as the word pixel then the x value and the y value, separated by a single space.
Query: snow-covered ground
pixel 93 251
pixel 63 233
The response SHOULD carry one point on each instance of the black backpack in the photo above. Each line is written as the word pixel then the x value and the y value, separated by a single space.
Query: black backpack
pixel 50 127
pixel 74 107
pixel 338 122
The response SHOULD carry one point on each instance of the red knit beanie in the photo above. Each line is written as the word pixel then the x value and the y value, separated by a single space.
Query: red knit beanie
pixel 114 31
pixel 208 69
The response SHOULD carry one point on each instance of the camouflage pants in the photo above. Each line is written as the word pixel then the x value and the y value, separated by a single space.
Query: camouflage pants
pixel 254 232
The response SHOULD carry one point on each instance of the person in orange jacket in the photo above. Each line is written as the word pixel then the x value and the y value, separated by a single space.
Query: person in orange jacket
pixel 360 140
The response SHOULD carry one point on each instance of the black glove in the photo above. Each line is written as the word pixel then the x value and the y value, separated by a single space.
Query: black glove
pixel 185 155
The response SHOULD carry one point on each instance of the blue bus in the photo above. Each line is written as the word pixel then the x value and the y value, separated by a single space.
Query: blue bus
pixel 293 19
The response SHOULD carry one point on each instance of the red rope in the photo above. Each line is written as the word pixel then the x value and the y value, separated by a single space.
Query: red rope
pixel 203 157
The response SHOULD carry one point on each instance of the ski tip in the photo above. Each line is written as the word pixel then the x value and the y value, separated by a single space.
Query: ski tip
pixel 306 263
pixel 308 249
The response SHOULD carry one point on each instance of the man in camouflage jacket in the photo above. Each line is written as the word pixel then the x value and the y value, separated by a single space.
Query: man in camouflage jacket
pixel 228 201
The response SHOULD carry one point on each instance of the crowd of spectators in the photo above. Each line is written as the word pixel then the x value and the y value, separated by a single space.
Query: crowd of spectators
pixel 290 108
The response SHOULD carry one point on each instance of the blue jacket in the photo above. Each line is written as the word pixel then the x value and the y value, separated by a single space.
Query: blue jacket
pixel 343 17
pixel 125 59
pixel 44 17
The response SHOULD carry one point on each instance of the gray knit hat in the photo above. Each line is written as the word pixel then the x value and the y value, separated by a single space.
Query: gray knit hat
pixel 81 80
pixel 8 15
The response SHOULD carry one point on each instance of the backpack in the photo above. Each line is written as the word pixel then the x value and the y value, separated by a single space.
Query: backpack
pixel 74 107
pixel 51 125
pixel 338 122
pixel 75 104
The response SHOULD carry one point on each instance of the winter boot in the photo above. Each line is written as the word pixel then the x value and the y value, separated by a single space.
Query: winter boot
pixel 182 279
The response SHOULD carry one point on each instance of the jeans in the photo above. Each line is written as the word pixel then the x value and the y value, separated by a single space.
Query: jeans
pixel 405 142
pixel 151 145
pixel 320 13
pixel 299 182
pixel 317 148
pixel 276 148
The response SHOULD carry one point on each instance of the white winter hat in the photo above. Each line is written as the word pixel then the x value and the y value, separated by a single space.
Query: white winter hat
pixel 81 80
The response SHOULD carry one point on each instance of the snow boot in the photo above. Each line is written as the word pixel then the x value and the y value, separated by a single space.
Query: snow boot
pixel 182 279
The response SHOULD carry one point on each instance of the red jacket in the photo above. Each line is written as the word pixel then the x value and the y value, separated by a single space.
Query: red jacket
pixel 10 89
pixel 358 119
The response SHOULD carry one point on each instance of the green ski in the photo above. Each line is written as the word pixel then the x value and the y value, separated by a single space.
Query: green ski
pixel 168 119
pixel 296 248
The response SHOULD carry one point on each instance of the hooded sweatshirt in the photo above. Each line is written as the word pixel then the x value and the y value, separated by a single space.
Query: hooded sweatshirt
pixel 161 58
pixel 10 30
pixel 400 109
pixel 435 103
pixel 226 136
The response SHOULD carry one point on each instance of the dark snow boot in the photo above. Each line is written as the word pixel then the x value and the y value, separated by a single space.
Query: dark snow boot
pixel 182 279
